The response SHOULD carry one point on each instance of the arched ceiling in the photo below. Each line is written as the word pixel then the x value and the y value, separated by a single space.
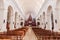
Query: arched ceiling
pixel 30 6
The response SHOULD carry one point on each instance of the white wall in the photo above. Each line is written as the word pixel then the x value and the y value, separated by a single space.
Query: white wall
pixel 55 15
pixel 4 4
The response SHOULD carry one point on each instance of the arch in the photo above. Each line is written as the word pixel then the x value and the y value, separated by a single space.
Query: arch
pixel 10 11
pixel 49 9
pixel 9 14
pixel 50 18
pixel 44 20
pixel 43 15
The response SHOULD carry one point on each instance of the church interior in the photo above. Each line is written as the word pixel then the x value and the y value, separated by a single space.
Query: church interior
pixel 29 19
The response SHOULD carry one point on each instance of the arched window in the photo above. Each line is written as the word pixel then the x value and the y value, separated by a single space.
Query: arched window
pixel 15 19
pixel 44 15
pixel 44 20
pixel 10 11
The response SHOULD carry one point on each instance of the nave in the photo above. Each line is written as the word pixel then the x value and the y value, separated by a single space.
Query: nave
pixel 29 19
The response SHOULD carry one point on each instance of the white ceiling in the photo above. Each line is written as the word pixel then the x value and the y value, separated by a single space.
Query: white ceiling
pixel 30 6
